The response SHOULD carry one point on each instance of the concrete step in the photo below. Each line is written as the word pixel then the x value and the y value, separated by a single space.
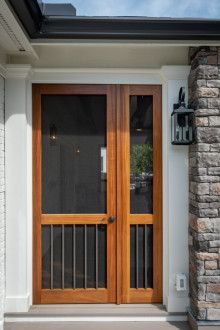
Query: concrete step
pixel 97 326
pixel 107 311
pixel 108 316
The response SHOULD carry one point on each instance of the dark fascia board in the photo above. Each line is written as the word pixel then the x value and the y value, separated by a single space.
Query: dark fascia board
pixel 140 28
pixel 111 28
pixel 29 14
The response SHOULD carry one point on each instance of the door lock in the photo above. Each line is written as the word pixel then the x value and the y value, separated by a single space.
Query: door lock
pixel 111 219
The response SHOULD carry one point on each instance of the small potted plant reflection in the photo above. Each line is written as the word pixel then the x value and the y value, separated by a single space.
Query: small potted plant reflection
pixel 141 167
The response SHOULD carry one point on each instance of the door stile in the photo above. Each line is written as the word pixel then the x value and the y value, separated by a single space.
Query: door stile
pixel 119 203
pixel 157 194
pixel 111 194
pixel 123 187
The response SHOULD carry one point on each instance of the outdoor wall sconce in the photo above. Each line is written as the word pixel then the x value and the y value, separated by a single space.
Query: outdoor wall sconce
pixel 182 122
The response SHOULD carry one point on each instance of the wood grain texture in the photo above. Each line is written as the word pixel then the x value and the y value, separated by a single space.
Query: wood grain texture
pixel 80 219
pixel 144 219
pixel 118 198
pixel 141 295
pixel 83 295
pixel 78 296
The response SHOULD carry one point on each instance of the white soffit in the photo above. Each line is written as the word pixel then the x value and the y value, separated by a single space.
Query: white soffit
pixel 12 38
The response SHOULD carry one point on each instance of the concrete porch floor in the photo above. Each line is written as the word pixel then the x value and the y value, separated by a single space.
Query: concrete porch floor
pixel 98 326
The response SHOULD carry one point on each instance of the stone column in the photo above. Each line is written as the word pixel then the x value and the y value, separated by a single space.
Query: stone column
pixel 204 195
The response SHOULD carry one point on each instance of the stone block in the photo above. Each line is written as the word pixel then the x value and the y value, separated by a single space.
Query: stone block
pixel 201 121
pixel 214 272
pixel 213 103
pixel 200 103
pixel 204 226
pixel 214 171
pixel 214 288
pixel 215 188
pixel 213 121
pixel 199 171
pixel 203 83
pixel 211 213
pixel 206 112
pixel 211 264
pixel 206 256
pixel 207 92
pixel 206 178
pixel 201 291
pixel 213 314
pixel 200 269
pixel 206 72
pixel 214 243
pixel 210 83
pixel 208 236
pixel 214 297
pixel 208 279
pixel 201 246
pixel 207 199
pixel 215 147
pixel 208 159
pixel 216 223
pixel 214 205
pixel 199 188
pixel 199 147
pixel 208 134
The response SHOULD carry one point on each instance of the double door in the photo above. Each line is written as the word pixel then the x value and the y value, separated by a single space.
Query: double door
pixel 97 194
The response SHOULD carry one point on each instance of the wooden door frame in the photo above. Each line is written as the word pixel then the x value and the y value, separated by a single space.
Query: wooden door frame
pixel 80 295
pixel 120 156
pixel 125 294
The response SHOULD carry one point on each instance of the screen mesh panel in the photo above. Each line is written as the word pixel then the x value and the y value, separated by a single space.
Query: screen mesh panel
pixel 141 256
pixel 74 256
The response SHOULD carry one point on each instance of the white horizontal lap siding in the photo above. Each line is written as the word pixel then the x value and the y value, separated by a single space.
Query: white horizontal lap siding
pixel 2 200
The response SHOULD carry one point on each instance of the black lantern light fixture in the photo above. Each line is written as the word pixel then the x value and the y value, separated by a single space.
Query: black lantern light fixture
pixel 182 122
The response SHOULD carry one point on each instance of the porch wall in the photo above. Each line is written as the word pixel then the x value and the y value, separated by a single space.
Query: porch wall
pixel 204 158
pixel 18 125
pixel 2 201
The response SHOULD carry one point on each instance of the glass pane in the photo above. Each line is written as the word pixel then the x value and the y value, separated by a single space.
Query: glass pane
pixel 74 154
pixel 141 154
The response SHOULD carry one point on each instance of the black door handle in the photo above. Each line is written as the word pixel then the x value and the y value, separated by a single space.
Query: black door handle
pixel 111 219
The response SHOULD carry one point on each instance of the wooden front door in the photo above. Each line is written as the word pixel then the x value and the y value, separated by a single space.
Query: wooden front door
pixel 97 194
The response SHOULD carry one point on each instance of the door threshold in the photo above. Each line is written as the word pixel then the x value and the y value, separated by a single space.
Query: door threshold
pixel 96 313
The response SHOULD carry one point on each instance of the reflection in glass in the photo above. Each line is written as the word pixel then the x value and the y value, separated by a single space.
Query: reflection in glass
pixel 141 154
pixel 74 154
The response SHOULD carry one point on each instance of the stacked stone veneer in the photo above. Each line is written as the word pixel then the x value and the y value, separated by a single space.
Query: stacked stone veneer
pixel 204 177
pixel 2 200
